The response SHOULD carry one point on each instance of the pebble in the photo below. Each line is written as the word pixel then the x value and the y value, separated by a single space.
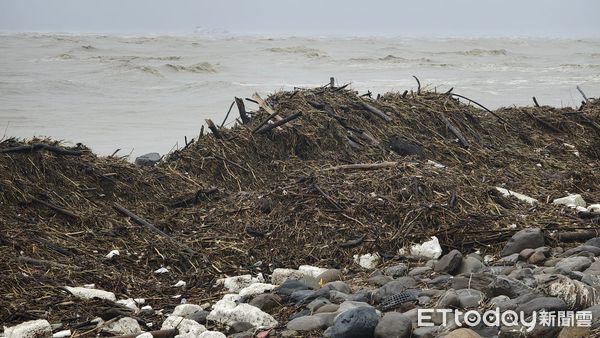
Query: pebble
pixel 123 326
pixel 573 263
pixel 31 329
pixel 396 271
pixel 330 275
pixel 524 239
pixel 449 263
pixel 470 265
pixel 359 322
pixel 266 302
pixel 87 293
pixel 306 323
pixel 547 303
pixel 393 325
pixel 462 333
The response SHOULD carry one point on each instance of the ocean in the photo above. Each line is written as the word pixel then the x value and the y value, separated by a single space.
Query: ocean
pixel 146 93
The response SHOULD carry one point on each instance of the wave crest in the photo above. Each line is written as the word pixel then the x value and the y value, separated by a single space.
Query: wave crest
pixel 202 67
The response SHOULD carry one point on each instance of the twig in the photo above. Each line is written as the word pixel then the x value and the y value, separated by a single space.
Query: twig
pixel 482 106
pixel 363 166
pixel 45 262
pixel 535 102
pixel 242 109
pixel 279 123
pixel 56 208
pixel 42 146
pixel 228 111
pixel 137 219
pixel 376 111
pixel 213 128
pixel 461 138
pixel 418 85
pixel 583 94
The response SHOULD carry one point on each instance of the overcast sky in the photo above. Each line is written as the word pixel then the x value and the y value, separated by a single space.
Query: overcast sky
pixel 572 18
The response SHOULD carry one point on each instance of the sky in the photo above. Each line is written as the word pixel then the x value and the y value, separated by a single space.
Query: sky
pixel 542 18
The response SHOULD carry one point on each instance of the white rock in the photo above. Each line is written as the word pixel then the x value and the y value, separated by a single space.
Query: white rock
pixel 113 254
pixel 571 201
pixel 185 326
pixel 184 310
pixel 256 289
pixel 62 334
pixel 232 297
pixel 125 325
pixel 161 270
pixel 280 275
pixel 228 312
pixel 180 284
pixel 85 293
pixel 581 209
pixel 509 193
pixel 212 334
pixel 147 309
pixel 145 335
pixel 368 261
pixel 236 283
pixel 595 208
pixel 32 329
pixel 140 301
pixel 430 249
pixel 129 302
pixel 312 271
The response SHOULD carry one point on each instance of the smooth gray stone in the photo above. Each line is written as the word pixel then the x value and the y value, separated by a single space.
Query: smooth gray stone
pixel 573 263
pixel 449 263
pixel 470 265
pixel 317 303
pixel 306 323
pixel 397 270
pixel 149 159
pixel 266 301
pixel 593 242
pixel 524 239
pixel 547 303
pixel 504 285
pixel 470 298
pixel 393 325
pixel 448 299
pixel 359 322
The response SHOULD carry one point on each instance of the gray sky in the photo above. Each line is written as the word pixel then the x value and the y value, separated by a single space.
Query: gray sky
pixel 572 18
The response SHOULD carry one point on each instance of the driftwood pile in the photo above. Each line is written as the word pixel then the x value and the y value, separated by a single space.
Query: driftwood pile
pixel 311 176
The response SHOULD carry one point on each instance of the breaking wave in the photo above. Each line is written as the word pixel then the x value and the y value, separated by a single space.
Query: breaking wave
pixel 308 52
pixel 479 52
pixel 202 67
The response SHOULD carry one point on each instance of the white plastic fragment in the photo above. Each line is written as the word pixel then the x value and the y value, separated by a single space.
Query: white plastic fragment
pixel 228 312
pixel 31 329
pixel 430 249
pixel 85 293
pixel 436 164
pixel 112 254
pixel 571 201
pixel 236 283
pixel 161 270
pixel 180 284
pixel 595 208
pixel 509 193
pixel 280 275
pixel 312 271
pixel 256 289
pixel 185 326
pixel 123 326
pixel 367 261
pixel 62 334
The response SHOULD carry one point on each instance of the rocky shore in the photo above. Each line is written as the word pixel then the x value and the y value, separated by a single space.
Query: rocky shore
pixel 384 301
